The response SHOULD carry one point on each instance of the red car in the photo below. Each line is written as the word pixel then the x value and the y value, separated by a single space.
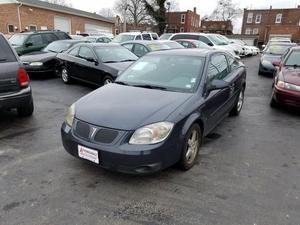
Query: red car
pixel 286 87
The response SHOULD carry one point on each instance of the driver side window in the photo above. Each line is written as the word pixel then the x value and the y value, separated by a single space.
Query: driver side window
pixel 217 68
pixel 86 53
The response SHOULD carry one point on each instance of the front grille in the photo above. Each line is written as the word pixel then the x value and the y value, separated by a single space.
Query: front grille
pixel 105 136
pixel 95 134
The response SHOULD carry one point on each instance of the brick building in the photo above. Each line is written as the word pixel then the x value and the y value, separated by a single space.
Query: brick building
pixel 30 15
pixel 220 27
pixel 272 22
pixel 188 21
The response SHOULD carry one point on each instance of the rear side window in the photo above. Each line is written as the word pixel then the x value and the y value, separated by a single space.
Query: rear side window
pixel 139 37
pixel 155 36
pixel 74 51
pixel 86 53
pixel 50 38
pixel 35 40
pixel 147 37
pixel 62 35
pixel 6 53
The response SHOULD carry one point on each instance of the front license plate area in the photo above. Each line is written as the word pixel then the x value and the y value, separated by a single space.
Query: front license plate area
pixel 88 154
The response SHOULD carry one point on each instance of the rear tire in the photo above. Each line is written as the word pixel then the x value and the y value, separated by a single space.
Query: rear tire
pixel 191 147
pixel 65 75
pixel 26 111
pixel 239 104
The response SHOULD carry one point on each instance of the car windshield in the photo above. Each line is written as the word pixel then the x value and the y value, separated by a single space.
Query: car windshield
pixel 91 39
pixel 157 46
pixel 293 59
pixel 57 47
pixel 18 39
pixel 277 49
pixel 115 54
pixel 165 36
pixel 166 72
pixel 123 38
pixel 217 41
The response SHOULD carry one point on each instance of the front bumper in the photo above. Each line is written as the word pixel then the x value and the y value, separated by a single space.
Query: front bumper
pixel 287 97
pixel 125 158
pixel 16 99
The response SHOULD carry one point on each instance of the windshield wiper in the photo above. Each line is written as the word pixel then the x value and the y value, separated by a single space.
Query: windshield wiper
pixel 149 86
pixel 128 60
pixel 111 61
pixel 122 83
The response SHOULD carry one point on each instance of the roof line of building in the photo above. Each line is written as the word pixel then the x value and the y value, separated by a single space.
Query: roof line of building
pixel 64 9
pixel 267 9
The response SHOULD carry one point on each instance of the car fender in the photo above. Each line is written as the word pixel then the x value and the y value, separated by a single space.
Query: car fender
pixel 194 117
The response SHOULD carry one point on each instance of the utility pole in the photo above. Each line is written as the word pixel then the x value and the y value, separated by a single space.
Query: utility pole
pixel 124 18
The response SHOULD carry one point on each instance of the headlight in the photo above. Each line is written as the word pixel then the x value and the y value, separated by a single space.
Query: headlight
pixel 151 134
pixel 35 64
pixel 288 86
pixel 70 115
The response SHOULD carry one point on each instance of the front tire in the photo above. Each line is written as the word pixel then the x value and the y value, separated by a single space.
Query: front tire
pixel 26 111
pixel 65 75
pixel 191 147
pixel 239 104
pixel 107 80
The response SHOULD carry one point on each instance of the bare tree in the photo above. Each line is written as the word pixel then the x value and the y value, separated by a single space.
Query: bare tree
pixel 60 2
pixel 107 12
pixel 135 10
pixel 225 10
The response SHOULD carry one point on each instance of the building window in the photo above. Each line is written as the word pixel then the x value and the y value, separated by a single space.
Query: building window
pixel 250 18
pixel 32 28
pixel 10 28
pixel 248 31
pixel 44 28
pixel 255 31
pixel 181 29
pixel 278 18
pixel 182 19
pixel 258 18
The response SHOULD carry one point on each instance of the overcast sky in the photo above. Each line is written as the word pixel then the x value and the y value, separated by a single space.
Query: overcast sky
pixel 204 7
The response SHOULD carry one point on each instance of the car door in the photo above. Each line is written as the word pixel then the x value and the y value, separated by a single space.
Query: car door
pixel 86 69
pixel 34 43
pixel 216 105
pixel 69 60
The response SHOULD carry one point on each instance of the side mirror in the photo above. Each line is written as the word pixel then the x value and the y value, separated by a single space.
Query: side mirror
pixel 276 63
pixel 92 60
pixel 217 85
pixel 28 44
pixel 210 44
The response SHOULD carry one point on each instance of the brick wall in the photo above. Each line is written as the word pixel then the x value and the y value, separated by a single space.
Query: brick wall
pixel 41 17
pixel 290 23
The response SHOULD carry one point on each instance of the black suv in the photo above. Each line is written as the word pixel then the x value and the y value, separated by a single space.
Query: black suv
pixel 15 91
pixel 35 41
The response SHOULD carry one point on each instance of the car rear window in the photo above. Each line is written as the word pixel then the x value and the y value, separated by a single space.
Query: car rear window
pixel 62 35
pixel 6 53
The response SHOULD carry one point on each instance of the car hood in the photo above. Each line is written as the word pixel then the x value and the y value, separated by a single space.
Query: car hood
pixel 38 56
pixel 119 66
pixel 227 48
pixel 128 108
pixel 291 75
pixel 270 57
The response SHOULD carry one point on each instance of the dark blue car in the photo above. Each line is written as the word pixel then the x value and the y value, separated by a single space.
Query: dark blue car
pixel 157 112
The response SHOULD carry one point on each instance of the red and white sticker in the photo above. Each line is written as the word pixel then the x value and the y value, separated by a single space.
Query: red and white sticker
pixel 88 154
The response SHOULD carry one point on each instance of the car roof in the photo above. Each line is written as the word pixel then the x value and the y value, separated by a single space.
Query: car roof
pixel 68 41
pixel 131 33
pixel 100 44
pixel 41 31
pixel 187 52
pixel 283 43
pixel 98 36
pixel 295 48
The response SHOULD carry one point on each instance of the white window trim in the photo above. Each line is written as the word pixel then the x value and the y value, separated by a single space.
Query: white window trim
pixel 248 29
pixel 279 15
pixel 32 25
pixel 250 18
pixel 182 19
pixel 255 31
pixel 181 29
pixel 8 28
pixel 258 18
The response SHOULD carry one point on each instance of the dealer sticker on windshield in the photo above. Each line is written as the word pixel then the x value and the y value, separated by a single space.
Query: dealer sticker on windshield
pixel 88 154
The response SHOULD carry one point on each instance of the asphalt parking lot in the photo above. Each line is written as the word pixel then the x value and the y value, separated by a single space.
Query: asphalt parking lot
pixel 248 171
